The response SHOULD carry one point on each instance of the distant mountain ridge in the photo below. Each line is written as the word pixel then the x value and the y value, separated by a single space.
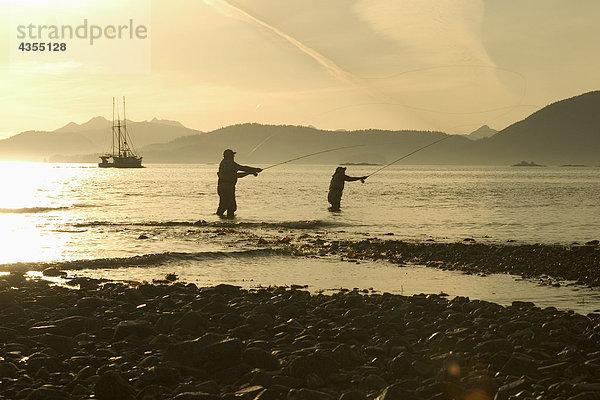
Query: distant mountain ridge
pixel 91 125
pixel 565 132
pixel 91 137
pixel 483 132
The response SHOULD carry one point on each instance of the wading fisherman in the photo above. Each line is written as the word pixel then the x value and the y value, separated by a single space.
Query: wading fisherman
pixel 336 186
pixel 228 175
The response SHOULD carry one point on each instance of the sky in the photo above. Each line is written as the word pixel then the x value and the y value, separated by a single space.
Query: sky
pixel 445 65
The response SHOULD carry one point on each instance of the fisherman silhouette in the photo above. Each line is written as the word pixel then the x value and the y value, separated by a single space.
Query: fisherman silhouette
pixel 336 186
pixel 228 175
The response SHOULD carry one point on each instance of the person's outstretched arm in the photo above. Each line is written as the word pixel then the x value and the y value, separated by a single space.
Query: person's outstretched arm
pixel 355 178
pixel 248 170
pixel 243 174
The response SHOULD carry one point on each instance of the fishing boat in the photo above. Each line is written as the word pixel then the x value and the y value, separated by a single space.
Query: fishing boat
pixel 123 154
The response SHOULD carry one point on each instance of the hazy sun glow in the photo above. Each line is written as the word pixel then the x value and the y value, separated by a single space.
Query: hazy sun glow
pixel 31 191
pixel 446 65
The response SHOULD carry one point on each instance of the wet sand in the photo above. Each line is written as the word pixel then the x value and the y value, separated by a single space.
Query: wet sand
pixel 178 341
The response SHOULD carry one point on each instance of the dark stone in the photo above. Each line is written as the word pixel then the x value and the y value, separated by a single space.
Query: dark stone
pixel 62 344
pixel 7 334
pixel 494 346
pixel 320 364
pixel 153 392
pixel 192 321
pixel 433 389
pixel 8 370
pixel 84 373
pixel 111 386
pixel 289 311
pixel 52 364
pixel 160 375
pixel 372 382
pixel 72 326
pixel 260 358
pixel 249 392
pixel 554 369
pixel 231 374
pixel 226 289
pixel 313 381
pixel 47 392
pixel 586 396
pixel 257 377
pixel 287 381
pixel 353 395
pixel 268 394
pixel 53 272
pixel 395 392
pixel 519 365
pixel 232 320
pixel 506 390
pixel 42 329
pixel 422 368
pixel 260 321
pixel 196 396
pixel 348 356
pixel 307 394
pixel 140 329
pixel 211 387
pixel 399 365
pixel 222 354
pixel 89 302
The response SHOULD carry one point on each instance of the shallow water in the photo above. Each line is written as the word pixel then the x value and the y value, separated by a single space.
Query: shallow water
pixel 330 274
pixel 62 212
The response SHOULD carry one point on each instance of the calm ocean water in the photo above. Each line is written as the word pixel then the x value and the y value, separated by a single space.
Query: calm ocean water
pixel 61 212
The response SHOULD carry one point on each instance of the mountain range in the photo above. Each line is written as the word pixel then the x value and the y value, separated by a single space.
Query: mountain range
pixel 80 141
pixel 565 132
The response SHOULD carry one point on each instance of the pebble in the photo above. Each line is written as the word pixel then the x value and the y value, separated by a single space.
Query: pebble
pixel 224 342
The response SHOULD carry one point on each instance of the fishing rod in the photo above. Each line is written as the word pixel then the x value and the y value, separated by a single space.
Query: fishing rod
pixel 313 154
pixel 409 154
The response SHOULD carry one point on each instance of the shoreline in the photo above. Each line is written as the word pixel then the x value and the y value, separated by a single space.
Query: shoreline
pixel 578 263
pixel 223 342
pixel 551 263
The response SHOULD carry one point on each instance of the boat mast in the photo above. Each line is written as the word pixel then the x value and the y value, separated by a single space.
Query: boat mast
pixel 125 148
pixel 113 128
pixel 118 131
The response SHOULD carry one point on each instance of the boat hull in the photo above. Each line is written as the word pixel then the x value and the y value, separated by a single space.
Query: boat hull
pixel 121 162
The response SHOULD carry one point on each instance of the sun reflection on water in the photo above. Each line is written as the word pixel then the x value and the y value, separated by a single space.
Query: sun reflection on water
pixel 30 206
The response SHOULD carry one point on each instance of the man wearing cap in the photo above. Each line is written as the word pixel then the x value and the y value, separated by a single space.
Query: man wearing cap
pixel 228 175
pixel 336 186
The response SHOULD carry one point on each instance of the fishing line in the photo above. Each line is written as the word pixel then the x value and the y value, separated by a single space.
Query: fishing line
pixel 409 154
pixel 313 154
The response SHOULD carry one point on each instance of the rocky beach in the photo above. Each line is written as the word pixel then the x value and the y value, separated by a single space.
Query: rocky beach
pixel 109 340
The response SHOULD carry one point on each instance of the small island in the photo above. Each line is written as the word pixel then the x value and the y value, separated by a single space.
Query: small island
pixel 527 164
pixel 360 163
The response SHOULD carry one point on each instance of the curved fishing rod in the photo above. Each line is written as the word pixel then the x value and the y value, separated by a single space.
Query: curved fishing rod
pixel 313 154
pixel 409 154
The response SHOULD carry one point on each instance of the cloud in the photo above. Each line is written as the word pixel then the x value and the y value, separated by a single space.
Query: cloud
pixel 430 32
pixel 332 68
